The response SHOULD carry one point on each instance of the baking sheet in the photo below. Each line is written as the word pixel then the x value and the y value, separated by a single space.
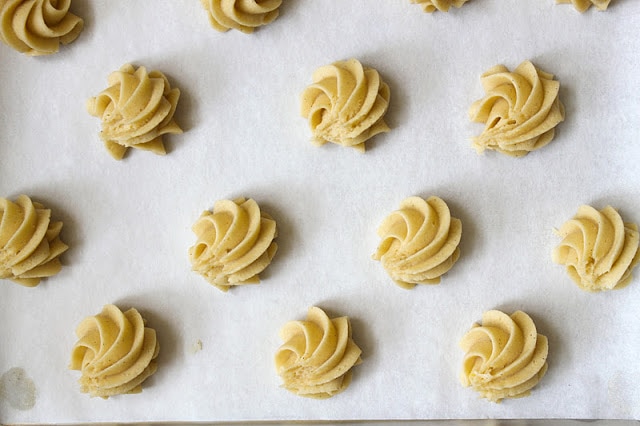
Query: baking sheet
pixel 128 222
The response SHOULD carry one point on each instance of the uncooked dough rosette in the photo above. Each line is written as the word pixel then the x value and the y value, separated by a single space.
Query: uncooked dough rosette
pixel 520 110
pixel 583 5
pixel 115 352
pixel 241 15
pixel 316 358
pixel 345 104
pixel 598 249
pixel 430 6
pixel 30 245
pixel 419 242
pixel 136 110
pixel 504 356
pixel 37 27
pixel 235 243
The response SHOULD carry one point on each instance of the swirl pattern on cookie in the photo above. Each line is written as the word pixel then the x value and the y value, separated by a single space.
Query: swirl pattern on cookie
pixel 431 6
pixel 317 356
pixel 345 104
pixel 30 245
pixel 505 357
pixel 598 249
pixel 520 111
pixel 583 5
pixel 419 242
pixel 235 243
pixel 38 27
pixel 136 110
pixel 115 352
pixel 241 15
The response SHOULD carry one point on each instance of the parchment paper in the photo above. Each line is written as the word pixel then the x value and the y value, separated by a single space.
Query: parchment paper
pixel 128 222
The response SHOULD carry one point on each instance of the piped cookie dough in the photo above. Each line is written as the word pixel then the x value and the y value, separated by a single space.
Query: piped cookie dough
pixel 431 6
pixel 317 356
pixel 30 244
pixel 345 104
pixel 235 243
pixel 136 111
pixel 583 5
pixel 115 352
pixel 241 15
pixel 520 110
pixel 38 27
pixel 598 249
pixel 505 357
pixel 419 242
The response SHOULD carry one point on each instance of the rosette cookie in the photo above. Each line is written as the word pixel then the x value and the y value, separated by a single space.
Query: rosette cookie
pixel 241 15
pixel 598 249
pixel 136 110
pixel 345 104
pixel 419 242
pixel 235 243
pixel 316 358
pixel 520 110
pixel 38 27
pixel 583 5
pixel 115 352
pixel 431 6
pixel 30 245
pixel 504 356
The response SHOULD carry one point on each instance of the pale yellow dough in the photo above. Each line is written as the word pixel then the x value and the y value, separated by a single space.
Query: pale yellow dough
pixel 520 110
pixel 583 5
pixel 505 357
pixel 136 111
pixel 38 27
pixel 241 15
pixel 316 358
pixel 345 104
pixel 419 242
pixel 430 6
pixel 598 249
pixel 30 245
pixel 235 243
pixel 115 352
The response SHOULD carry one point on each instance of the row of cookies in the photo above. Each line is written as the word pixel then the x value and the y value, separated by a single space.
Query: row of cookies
pixel 419 244
pixel 505 356
pixel 39 27
pixel 345 104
